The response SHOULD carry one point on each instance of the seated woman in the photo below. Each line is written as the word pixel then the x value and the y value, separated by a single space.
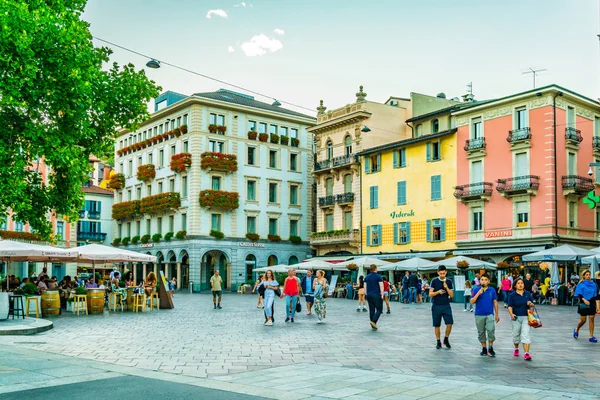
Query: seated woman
pixel 129 282
pixel 114 284
pixel 150 284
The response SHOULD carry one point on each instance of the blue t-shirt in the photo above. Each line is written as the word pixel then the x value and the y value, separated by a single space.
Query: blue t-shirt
pixel 485 302
pixel 372 280
pixel 519 303
pixel 441 299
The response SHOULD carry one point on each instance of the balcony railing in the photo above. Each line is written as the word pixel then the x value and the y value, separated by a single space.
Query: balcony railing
pixel 336 237
pixel 473 191
pixel 475 144
pixel 577 184
pixel 326 201
pixel 519 135
pixel 336 162
pixel 94 214
pixel 573 135
pixel 596 143
pixel 518 185
pixel 345 198
pixel 92 236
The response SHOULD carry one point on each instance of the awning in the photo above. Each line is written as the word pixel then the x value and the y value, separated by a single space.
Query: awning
pixel 394 256
pixel 502 250
pixel 331 259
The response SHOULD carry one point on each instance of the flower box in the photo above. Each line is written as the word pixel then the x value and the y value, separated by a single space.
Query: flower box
pixel 252 236
pixel 181 162
pixel 146 172
pixel 160 203
pixel 218 162
pixel 263 137
pixel 216 234
pixel 284 140
pixel 126 209
pixel 274 238
pixel 252 135
pixel 295 239
pixel 221 129
pixel 166 135
pixel 183 129
pixel 274 138
pixel 212 128
pixel 19 235
pixel 181 235
pixel 116 181
pixel 220 199
pixel 295 142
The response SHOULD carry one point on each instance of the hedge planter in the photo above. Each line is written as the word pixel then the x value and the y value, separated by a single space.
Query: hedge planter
pixel 116 242
pixel 284 140
pixel 263 137
pixel 116 181
pixel 218 162
pixel 252 135
pixel 160 203
pixel 274 138
pixel 126 209
pixel 19 235
pixel 274 238
pixel 145 239
pixel 146 172
pixel 125 240
pixel 181 235
pixel 226 201
pixel 181 162
pixel 168 236
pixel 216 234
pixel 135 240
pixel 156 237
pixel 295 239
pixel 252 236
pixel 295 142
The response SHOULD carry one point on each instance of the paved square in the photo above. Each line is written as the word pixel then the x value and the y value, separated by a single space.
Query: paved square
pixel 230 349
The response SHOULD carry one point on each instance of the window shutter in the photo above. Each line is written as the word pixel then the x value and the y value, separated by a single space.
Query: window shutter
pixel 438 187
pixel 99 206
pixel 439 149
pixel 99 225
pixel 378 162
pixel 428 147
pixel 396 156
pixel 433 188
pixel 428 230
pixel 367 165
pixel 368 235
pixel 401 192
pixel 379 231
pixel 408 232
pixel 376 197
pixel 371 197
pixel 395 233
pixel 443 230
pixel 403 157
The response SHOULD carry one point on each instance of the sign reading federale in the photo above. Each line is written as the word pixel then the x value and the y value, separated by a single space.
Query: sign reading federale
pixel 400 214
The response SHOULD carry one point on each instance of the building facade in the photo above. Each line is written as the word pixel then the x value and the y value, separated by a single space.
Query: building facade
pixel 226 178
pixel 340 135
pixel 95 223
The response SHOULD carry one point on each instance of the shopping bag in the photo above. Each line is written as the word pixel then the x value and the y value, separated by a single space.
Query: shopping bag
pixel 533 318
pixel 298 307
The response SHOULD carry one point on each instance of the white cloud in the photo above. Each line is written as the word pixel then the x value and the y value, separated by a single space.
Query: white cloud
pixel 242 4
pixel 230 49
pixel 260 45
pixel 278 31
pixel 217 12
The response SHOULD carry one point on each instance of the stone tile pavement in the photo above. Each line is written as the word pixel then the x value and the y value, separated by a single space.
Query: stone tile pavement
pixel 230 349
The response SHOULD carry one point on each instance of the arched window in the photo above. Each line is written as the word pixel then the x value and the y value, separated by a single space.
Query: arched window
pixel 329 187
pixel 419 130
pixel 435 126
pixel 272 260
pixel 348 145
pixel 329 150
pixel 293 260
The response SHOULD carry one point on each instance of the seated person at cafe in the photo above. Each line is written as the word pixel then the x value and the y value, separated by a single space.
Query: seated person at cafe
pixel 42 283
pixel 52 283
pixel 91 284
pixel 150 283
pixel 101 284
pixel 114 284
pixel 129 282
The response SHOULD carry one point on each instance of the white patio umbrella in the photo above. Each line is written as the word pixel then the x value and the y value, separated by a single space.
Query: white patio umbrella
pixel 566 252
pixel 412 264
pixel 100 254
pixel 364 262
pixel 554 275
pixel 594 267
pixel 281 268
pixel 319 264
pixel 474 263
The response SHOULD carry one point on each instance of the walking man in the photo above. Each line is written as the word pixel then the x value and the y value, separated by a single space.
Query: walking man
pixel 405 297
pixel 215 286
pixel 486 315
pixel 528 283
pixel 374 291
pixel 440 292
pixel 413 282
pixel 307 288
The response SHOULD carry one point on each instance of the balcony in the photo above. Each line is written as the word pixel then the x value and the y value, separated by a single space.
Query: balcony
pixel 91 236
pixel 596 146
pixel 526 184
pixel 327 201
pixel 344 236
pixel 519 136
pixel 94 214
pixel 573 136
pixel 473 192
pixel 577 185
pixel 475 145
pixel 345 198
pixel 336 162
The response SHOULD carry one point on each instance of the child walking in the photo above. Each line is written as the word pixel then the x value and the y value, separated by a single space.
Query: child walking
pixel 468 293
pixel 486 315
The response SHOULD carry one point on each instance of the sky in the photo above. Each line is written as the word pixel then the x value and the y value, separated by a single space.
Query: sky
pixel 303 51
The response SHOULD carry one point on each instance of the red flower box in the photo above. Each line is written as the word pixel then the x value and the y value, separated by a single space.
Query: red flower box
pixel 116 181
pixel 126 209
pixel 252 135
pixel 146 172
pixel 227 201
pixel 19 235
pixel 181 162
pixel 263 137
pixel 160 203
pixel 219 161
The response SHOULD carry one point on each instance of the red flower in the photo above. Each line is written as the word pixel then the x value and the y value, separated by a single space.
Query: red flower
pixel 117 181
pixel 160 203
pixel 227 201
pixel 219 161
pixel 146 172
pixel 126 209
pixel 180 162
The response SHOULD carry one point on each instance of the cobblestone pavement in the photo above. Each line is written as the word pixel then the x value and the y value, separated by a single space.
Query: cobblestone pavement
pixel 233 349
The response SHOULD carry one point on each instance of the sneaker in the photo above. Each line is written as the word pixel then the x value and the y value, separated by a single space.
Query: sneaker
pixel 484 351
pixel 447 343
pixel 364 309
pixel 575 334
pixel 465 310
pixel 307 313
pixel 491 352
pixel 373 326
pixel 471 310
pixel 527 357
pixel 593 340
pixel 215 306
pixel 438 345
pixel 358 309
pixel 219 307
pixel 319 321
pixel 516 353
pixel 287 319
pixel 388 312
pixel 269 323
pixel 292 319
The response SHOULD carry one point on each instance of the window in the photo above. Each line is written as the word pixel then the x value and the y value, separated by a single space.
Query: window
pixel 159 225
pixel 119 230
pixel 273 129
pixel 570 116
pixel 477 218
pixel 251 152
pixel 252 126
pixel 294 195
pixel 436 230
pixel 476 128
pixel 160 128
pixel 185 119
pixel 148 230
pixel 251 190
pixel 272 192
pixel 401 193
pixel 161 158
pixel 119 197
pixel 402 233
pixel 149 190
pixel 522 208
pixel 251 224
pixel 283 131
pixel 215 222
pixel 155 131
pixel 216 183
pixel 149 158
pixel 60 228
pixel 213 119
pixel 272 158
pixel 572 164
pixel 372 164
pixel 436 187
pixel 347 183
pixel 138 228
pixel 399 158
pixel 347 219
pixel 173 150
pixel 433 151
pixel 160 187
pixel 139 161
pixel 183 222
pixel 348 145
pixel 184 186
pixel 329 150
pixel 374 235
pixel 329 187
pixel 294 162
pixel 596 126
pixel 130 168
pixel 121 170
pixel 273 228
pixel 221 120
pixel 521 118
pixel 215 146
pixel 171 223
pixel 186 147
pixel 138 193
pixel 435 126
pixel 171 185
pixel 419 130
pixel 294 133
pixel 294 227
pixel 328 222
pixel 178 122
pixel 262 127
pixel 129 195
pixel 373 197
pixel 572 214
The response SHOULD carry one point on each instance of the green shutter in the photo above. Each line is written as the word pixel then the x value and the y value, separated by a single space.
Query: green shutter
pixel 371 197
pixel 439 149
pixel 395 233
pixel 428 147
pixel 428 229
pixel 99 206
pixel 433 188
pixel 396 154
pixel 402 157
pixel 368 235
pixel 376 196
pixel 367 165
pixel 443 230
pixel 379 162
pixel 438 187
pixel 401 193
pixel 407 232
pixel 379 231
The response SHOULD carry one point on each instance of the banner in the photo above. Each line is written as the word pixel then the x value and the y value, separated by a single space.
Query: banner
pixel 332 285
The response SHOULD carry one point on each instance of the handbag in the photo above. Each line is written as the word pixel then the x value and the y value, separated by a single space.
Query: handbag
pixel 326 292
pixel 533 318
pixel 298 307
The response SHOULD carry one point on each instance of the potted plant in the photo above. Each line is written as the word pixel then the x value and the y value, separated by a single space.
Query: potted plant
pixel 274 138
pixel 252 135
pixel 168 236
pixel 145 239
pixel 503 265
pixel 116 181
pixel 135 240
pixel 295 239
pixel 263 137
pixel 181 235
pixel 252 236
pixel 159 203
pixel 156 237
pixel 352 267
pixel 70 301
pixel 212 128
pixel 295 142
pixel 284 140
pixel 216 234
pixel 125 240
pixel 274 238
pixel 221 129
pixel 176 132
pixel 116 242
pixel 181 162
pixel 126 209
pixel 183 129
pixel 227 201
pixel 462 264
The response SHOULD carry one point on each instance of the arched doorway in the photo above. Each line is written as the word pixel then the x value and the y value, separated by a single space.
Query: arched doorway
pixel 250 265
pixel 272 260
pixel 160 262
pixel 171 264
pixel 293 260
pixel 185 269
pixel 211 261
pixel 139 272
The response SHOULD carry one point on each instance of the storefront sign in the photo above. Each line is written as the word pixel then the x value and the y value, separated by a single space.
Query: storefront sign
pixel 497 234
pixel 400 214
pixel 592 200
pixel 251 244
pixel 508 250
pixel 144 245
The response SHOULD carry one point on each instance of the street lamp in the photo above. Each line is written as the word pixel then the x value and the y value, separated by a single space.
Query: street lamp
pixel 365 129
pixel 154 64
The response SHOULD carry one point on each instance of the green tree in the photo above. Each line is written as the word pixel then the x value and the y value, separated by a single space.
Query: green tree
pixel 60 101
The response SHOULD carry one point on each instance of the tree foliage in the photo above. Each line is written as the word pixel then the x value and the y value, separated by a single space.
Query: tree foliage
pixel 60 101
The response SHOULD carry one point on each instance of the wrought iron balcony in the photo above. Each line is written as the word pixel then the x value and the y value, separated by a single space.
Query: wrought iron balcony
pixel 596 143
pixel 475 144
pixel 573 135
pixel 526 184
pixel 91 236
pixel 473 191
pixel 351 237
pixel 81 213
pixel 345 198
pixel 519 135
pixel 578 185
pixel 336 162
pixel 94 214
pixel 326 201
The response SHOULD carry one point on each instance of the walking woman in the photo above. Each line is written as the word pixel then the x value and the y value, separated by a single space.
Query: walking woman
pixel 360 286
pixel 260 292
pixel 519 301
pixel 320 288
pixel 270 284
pixel 386 293
pixel 505 286
pixel 468 294
pixel 586 291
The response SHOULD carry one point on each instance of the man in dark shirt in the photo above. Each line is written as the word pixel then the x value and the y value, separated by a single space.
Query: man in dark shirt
pixel 374 291
pixel 440 292
pixel 413 281
pixel 528 283
pixel 405 280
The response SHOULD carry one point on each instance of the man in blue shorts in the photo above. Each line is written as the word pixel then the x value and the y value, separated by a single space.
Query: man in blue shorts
pixel 440 292
pixel 307 288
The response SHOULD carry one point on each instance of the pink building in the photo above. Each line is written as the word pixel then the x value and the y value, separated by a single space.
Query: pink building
pixel 523 172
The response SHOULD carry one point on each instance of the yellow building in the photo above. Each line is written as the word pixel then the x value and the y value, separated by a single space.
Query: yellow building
pixel 408 185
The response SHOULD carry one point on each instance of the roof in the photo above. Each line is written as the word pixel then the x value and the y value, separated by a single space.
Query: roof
pixel 452 108
pixel 96 190
pixel 229 96
pixel 406 142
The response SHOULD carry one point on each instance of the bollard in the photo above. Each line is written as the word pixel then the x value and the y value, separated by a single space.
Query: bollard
pixel 190 286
